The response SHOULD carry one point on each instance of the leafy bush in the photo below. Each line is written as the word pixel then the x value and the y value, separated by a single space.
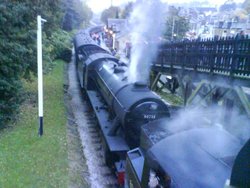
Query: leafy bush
pixel 14 58
pixel 57 46
pixel 10 92
pixel 61 41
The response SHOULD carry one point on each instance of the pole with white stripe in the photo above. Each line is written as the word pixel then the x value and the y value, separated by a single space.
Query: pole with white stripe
pixel 40 73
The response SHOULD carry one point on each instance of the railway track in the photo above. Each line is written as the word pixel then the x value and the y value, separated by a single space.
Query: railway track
pixel 100 175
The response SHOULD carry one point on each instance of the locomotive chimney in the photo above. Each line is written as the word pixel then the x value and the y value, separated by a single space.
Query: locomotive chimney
pixel 140 84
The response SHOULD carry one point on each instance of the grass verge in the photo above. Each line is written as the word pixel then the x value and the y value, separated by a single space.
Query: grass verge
pixel 27 160
pixel 171 98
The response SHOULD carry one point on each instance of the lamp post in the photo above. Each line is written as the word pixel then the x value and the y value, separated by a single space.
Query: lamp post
pixel 173 25
pixel 40 73
pixel 113 35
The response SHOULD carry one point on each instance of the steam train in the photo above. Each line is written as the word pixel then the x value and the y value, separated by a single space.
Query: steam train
pixel 137 141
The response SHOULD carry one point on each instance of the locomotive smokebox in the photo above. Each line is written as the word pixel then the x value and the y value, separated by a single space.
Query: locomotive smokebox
pixel 136 105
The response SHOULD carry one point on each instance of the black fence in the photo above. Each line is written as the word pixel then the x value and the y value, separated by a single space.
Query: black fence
pixel 226 56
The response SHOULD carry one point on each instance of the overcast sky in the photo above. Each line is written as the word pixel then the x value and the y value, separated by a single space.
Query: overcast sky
pixel 100 5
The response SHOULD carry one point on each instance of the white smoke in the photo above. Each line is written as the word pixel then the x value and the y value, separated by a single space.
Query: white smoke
pixel 146 23
pixel 212 117
pixel 236 124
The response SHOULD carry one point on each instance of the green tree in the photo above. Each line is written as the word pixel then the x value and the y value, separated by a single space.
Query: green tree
pixel 77 14
pixel 176 25
pixel 13 52
pixel 229 5
pixel 112 12
pixel 246 6
pixel 18 45
pixel 127 10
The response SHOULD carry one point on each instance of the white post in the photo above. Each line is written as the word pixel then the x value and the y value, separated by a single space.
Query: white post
pixel 40 73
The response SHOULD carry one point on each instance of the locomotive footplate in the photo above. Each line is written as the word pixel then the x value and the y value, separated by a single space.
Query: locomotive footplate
pixel 115 143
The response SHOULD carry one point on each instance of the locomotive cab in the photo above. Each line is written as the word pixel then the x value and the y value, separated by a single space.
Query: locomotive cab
pixel 141 172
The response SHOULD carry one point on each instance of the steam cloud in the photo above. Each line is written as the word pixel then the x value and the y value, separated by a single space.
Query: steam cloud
pixel 237 124
pixel 146 25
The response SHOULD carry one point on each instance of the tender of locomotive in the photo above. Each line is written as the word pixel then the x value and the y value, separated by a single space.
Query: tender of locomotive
pixel 198 157
pixel 121 107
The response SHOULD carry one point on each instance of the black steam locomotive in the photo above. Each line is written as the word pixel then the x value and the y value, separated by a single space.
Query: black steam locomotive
pixel 133 119
pixel 121 107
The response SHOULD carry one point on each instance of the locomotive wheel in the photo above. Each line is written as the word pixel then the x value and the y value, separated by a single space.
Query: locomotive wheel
pixel 107 154
pixel 108 157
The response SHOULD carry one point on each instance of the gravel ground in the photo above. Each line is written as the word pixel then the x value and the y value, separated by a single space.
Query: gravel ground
pixel 78 170
pixel 87 164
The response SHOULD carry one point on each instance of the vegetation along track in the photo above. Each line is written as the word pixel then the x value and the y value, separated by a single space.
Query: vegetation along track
pixel 100 175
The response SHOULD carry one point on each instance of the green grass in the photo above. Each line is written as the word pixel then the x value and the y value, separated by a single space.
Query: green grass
pixel 171 98
pixel 27 160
